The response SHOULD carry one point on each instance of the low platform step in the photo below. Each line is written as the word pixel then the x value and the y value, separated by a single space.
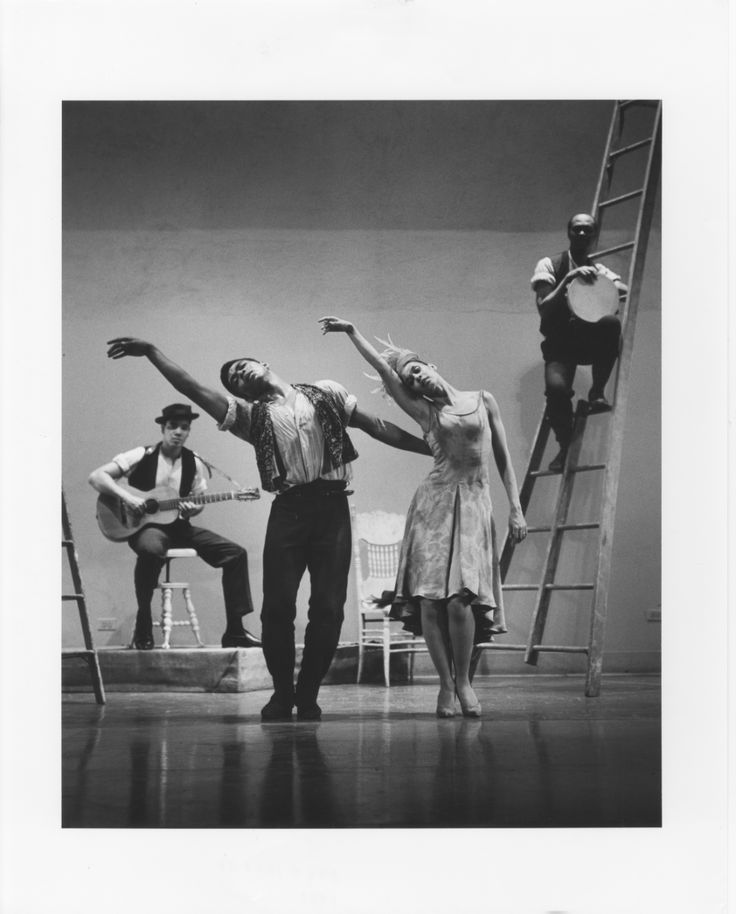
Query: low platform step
pixel 191 669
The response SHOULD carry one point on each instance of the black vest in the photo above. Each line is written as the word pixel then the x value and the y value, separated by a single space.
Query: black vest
pixel 143 476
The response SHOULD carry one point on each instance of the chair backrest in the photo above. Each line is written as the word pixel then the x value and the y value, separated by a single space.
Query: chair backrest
pixel 377 537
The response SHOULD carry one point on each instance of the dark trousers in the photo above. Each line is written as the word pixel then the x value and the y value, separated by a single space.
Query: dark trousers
pixel 583 344
pixel 151 544
pixel 308 530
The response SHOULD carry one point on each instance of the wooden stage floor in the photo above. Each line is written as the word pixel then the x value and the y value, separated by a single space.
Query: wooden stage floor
pixel 542 755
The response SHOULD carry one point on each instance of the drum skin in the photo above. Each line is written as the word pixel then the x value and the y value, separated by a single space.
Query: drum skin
pixel 590 301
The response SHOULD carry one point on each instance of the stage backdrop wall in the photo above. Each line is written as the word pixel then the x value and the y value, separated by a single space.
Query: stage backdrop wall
pixel 460 298
pixel 222 229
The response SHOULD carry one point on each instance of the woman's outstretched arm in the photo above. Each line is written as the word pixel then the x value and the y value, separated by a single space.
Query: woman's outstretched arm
pixel 416 407
pixel 517 523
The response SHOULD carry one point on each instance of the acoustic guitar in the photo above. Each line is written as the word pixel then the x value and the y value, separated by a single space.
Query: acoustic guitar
pixel 118 521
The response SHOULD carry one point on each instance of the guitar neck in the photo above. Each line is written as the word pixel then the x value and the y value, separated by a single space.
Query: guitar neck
pixel 172 504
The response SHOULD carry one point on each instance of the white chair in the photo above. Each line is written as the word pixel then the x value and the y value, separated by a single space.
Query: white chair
pixel 377 538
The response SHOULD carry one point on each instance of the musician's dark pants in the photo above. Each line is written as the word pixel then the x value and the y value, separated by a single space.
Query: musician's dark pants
pixel 151 544
pixel 584 344
pixel 308 529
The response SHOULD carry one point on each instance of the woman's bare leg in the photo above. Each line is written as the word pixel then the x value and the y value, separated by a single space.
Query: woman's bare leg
pixel 461 626
pixel 435 631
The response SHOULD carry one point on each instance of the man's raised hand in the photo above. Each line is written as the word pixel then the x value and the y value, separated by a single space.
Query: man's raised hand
pixel 127 345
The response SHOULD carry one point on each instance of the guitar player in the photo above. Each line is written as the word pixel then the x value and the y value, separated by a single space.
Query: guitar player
pixel 169 463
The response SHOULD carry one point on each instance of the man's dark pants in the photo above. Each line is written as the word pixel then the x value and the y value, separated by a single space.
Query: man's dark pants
pixel 583 343
pixel 308 530
pixel 151 544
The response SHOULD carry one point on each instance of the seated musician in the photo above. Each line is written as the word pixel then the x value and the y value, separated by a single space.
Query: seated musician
pixel 174 466
pixel 568 340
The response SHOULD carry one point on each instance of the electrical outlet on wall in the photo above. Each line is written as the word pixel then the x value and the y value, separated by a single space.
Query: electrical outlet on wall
pixel 107 625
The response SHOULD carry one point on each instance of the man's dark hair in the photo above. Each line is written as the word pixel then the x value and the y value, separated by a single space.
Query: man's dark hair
pixel 594 220
pixel 226 369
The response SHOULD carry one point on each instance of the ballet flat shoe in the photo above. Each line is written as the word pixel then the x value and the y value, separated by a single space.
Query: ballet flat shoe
pixel 472 711
pixel 445 709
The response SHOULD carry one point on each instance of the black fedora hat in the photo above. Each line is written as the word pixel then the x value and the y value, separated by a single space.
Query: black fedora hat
pixel 176 411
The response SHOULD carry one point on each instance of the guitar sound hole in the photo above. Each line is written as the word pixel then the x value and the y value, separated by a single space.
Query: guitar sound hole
pixel 151 506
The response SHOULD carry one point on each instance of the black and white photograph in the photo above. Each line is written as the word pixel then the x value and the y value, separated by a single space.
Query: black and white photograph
pixel 453 619
pixel 379 412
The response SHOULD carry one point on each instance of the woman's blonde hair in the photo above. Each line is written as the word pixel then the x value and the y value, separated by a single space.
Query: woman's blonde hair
pixel 396 357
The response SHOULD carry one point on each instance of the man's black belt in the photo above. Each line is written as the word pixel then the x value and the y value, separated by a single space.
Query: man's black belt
pixel 317 489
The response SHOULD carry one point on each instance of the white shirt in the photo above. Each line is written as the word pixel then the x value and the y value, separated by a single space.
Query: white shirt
pixel 297 432
pixel 544 271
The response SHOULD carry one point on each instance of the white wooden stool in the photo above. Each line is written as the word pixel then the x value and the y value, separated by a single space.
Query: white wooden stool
pixel 167 587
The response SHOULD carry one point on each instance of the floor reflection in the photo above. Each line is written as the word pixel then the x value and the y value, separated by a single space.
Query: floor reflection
pixel 206 761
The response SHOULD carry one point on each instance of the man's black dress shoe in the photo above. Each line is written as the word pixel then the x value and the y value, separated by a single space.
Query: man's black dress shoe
pixel 277 709
pixel 311 711
pixel 241 640
pixel 599 405
pixel 558 463
pixel 143 643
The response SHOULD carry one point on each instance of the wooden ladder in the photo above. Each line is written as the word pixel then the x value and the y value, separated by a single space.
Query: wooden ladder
pixel 89 654
pixel 647 150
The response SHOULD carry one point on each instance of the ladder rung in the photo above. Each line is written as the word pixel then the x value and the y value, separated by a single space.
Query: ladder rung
pixel 493 646
pixel 621 199
pixel 630 148
pixel 559 649
pixel 520 587
pixel 72 596
pixel 586 467
pixel 582 468
pixel 569 586
pixel 538 473
pixel 604 252
pixel 586 526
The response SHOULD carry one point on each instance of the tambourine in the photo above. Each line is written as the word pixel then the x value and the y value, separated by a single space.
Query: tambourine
pixel 590 301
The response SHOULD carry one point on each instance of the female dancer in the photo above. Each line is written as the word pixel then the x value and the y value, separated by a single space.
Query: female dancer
pixel 448 567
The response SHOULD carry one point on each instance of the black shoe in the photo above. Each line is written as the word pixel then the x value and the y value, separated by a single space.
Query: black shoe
pixel 143 642
pixel 277 709
pixel 311 711
pixel 599 405
pixel 240 640
pixel 558 463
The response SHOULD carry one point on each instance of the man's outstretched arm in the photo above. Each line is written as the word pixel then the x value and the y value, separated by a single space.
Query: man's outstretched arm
pixel 211 401
pixel 388 433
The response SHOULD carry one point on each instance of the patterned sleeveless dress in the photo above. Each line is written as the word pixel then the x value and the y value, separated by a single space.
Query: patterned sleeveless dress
pixel 449 545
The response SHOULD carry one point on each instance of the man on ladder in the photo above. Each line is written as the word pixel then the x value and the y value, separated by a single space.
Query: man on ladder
pixel 570 340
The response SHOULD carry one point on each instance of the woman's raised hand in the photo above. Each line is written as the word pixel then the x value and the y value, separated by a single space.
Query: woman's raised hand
pixel 335 325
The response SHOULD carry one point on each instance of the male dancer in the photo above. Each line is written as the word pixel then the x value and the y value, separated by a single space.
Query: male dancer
pixel 303 451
